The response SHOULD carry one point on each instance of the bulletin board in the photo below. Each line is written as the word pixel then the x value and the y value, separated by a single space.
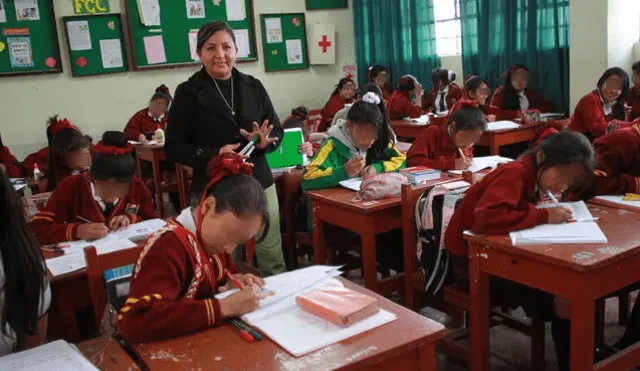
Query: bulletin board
pixel 96 44
pixel 284 42
pixel 164 36
pixel 326 4
pixel 28 45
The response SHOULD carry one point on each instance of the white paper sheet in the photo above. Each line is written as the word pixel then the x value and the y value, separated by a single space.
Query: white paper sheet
pixel 551 115
pixel 20 52
pixel 149 12
pixel 193 45
pixel 111 52
pixel 501 125
pixel 57 355
pixel 294 51
pixel 481 163
pixel 66 263
pixel 154 49
pixel 3 12
pixel 27 10
pixel 236 10
pixel 273 28
pixel 140 231
pixel 422 120
pixel 195 9
pixel 104 245
pixel 79 35
pixel 352 184
pixel 619 200
pixel 242 41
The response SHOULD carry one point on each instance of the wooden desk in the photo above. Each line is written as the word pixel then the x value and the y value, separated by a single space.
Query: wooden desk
pixel 407 343
pixel 581 273
pixel 407 129
pixel 107 355
pixel 340 207
pixel 155 155
pixel 498 138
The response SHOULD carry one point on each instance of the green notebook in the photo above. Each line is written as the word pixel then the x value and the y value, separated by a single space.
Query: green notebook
pixel 287 155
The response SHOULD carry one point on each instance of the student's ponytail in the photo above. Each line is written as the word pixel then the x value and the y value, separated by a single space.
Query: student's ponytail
pixel 113 159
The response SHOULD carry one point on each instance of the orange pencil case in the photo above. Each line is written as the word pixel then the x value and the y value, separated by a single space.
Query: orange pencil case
pixel 337 304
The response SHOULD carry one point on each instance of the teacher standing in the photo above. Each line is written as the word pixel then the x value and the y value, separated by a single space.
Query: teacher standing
pixel 218 110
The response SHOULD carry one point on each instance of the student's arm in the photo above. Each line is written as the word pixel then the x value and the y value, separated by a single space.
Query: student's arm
pixel 134 127
pixel 332 107
pixel 497 211
pixel 14 169
pixel 423 150
pixel 182 116
pixel 498 97
pixel 156 308
pixel 51 224
pixel 537 101
pixel 611 178
pixel 146 210
pixel 394 160
pixel 272 116
pixel 324 171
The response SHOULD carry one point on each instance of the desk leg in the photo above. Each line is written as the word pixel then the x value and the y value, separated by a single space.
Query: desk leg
pixel 157 182
pixel 409 268
pixel 64 304
pixel 427 358
pixel 582 334
pixel 139 162
pixel 478 312
pixel 494 148
pixel 319 244
pixel 368 247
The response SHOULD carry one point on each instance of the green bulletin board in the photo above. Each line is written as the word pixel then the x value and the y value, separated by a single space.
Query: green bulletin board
pixel 30 44
pixel 326 4
pixel 170 40
pixel 96 44
pixel 284 41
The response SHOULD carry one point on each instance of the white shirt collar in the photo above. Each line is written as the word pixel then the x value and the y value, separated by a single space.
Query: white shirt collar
pixel 186 219
pixel 524 101
pixel 445 90
pixel 98 199
pixel 157 119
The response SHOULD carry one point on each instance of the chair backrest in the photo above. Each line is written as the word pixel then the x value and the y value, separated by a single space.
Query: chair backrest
pixel 96 265
pixel 183 175
pixel 291 190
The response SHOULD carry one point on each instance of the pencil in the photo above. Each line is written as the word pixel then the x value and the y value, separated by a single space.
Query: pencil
pixel 553 198
pixel 83 219
pixel 234 280
pixel 256 335
pixel 244 333
pixel 462 154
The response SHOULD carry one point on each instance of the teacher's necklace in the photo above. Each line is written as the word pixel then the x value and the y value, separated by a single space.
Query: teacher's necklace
pixel 225 99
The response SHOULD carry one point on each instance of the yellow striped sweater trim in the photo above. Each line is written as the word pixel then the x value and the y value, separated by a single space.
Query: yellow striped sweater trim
pixel 209 310
pixel 220 267
pixel 131 301
pixel 46 213
pixel 69 233
pixel 41 217
pixel 313 169
pixel 599 173
pixel 395 162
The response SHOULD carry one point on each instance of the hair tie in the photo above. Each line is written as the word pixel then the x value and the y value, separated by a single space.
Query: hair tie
pixel 59 125
pixel 110 150
pixel 371 98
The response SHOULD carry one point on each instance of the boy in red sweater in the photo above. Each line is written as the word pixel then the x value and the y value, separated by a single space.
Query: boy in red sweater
pixel 145 122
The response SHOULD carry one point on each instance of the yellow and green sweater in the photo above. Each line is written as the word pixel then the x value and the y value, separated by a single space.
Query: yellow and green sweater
pixel 327 169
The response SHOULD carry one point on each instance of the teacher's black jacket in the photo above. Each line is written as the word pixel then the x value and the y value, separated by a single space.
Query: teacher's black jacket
pixel 200 123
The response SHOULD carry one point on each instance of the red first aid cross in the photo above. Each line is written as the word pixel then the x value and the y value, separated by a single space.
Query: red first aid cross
pixel 324 43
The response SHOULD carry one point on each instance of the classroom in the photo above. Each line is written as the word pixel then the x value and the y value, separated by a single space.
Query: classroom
pixel 433 185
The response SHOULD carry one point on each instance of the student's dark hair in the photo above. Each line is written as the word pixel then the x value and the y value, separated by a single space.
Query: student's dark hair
pixel 242 195
pixel 636 67
pixel 162 92
pixel 442 74
pixel 297 119
pixel 407 83
pixel 511 97
pixel 120 167
pixel 373 88
pixel 63 141
pixel 343 81
pixel 469 118
pixel 566 148
pixel 208 29
pixel 24 273
pixel 375 70
pixel 363 113
pixel 473 83
pixel 618 109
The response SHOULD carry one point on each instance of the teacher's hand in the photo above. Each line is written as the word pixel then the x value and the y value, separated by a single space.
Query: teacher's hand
pixel 229 148
pixel 263 131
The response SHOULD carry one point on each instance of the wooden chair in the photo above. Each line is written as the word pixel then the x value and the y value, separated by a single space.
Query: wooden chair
pixel 291 191
pixel 96 265
pixel 183 178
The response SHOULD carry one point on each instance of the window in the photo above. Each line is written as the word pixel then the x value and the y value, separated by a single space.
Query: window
pixel 448 29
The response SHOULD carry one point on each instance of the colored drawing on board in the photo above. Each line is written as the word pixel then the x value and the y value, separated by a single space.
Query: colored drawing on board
pixel 2 46
pixel 50 62
pixel 82 62
pixel 111 25
pixel 296 21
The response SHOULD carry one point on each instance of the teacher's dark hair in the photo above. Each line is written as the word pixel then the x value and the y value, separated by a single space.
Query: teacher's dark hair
pixel 208 29
pixel 24 272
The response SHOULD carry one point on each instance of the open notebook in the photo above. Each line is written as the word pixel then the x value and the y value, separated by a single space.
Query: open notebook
pixel 422 120
pixel 501 125
pixel 280 318
pixel 618 201
pixel 481 163
pixel 576 233
pixel 57 355
pixel 352 184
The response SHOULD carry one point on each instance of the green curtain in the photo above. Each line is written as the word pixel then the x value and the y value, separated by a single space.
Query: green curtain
pixel 497 34
pixel 398 34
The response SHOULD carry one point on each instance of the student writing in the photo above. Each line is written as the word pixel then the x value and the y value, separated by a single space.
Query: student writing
pixel 109 197
pixel 145 122
pixel 183 265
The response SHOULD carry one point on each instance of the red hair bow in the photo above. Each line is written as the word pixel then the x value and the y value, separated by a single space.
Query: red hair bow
pixel 109 150
pixel 468 103
pixel 224 165
pixel 59 125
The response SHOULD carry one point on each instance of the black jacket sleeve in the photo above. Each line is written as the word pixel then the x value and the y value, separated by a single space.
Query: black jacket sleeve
pixel 182 117
pixel 272 116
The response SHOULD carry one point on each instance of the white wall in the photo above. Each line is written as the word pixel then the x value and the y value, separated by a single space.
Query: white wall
pixel 106 102
pixel 623 22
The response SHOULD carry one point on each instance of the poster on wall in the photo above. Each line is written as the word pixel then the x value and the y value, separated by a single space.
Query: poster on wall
pixel 27 10
pixel 20 53
pixel 3 13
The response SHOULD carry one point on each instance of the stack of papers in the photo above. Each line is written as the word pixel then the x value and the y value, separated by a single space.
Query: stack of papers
pixel 422 120
pixel 352 184
pixel 501 125
pixel 18 183
pixel 57 355
pixel 575 233
pixel 618 200
pixel 294 329
pixel 481 163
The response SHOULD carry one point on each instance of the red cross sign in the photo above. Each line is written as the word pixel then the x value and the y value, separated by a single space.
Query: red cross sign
pixel 324 43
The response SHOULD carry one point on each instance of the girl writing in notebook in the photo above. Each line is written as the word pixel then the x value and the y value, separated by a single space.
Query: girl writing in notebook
pixel 25 295
pixel 515 95
pixel 406 100
pixel 505 201
pixel 477 90
pixel 449 147
pixel 183 265
pixel 360 146
pixel 342 94
pixel 88 206
pixel 143 125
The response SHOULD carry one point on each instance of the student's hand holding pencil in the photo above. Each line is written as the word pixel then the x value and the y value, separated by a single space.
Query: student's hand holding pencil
pixel 241 281
pixel 559 214
pixel 354 166
pixel 117 222
pixel 92 231
pixel 242 302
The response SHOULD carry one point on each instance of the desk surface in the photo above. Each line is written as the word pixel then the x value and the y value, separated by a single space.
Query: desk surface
pixel 618 225
pixel 106 354
pixel 222 349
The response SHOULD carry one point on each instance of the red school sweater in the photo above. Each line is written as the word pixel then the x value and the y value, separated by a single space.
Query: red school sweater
pixel 454 94
pixel 536 101
pixel 400 106
pixel 14 169
pixel 435 149
pixel 72 198
pixel 618 162
pixel 335 104
pixel 41 158
pixel 173 287
pixel 486 109
pixel 633 100
pixel 142 123
pixel 589 117
pixel 502 202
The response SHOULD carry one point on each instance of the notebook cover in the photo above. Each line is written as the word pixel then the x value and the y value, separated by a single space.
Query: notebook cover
pixel 287 154
pixel 338 305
